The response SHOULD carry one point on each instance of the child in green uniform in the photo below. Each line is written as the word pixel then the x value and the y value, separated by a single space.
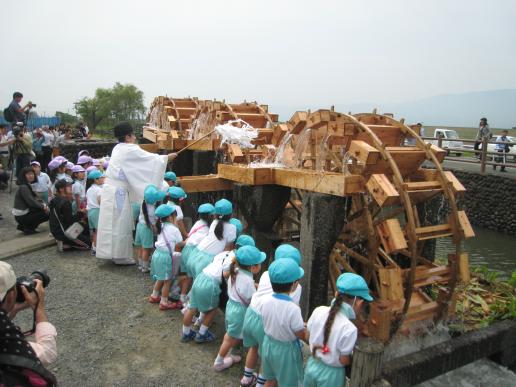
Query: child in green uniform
pixel 146 227
pixel 332 335
pixel 241 288
pixel 283 325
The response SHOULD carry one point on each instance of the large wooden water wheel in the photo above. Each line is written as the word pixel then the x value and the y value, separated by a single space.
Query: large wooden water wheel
pixel 384 236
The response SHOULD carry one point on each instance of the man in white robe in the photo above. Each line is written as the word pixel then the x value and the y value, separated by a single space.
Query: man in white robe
pixel 130 170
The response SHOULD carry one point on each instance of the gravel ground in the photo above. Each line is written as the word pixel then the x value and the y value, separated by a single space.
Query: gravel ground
pixel 109 335
pixel 8 224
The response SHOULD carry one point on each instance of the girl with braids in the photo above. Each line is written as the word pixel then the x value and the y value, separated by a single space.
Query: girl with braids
pixel 146 227
pixel 221 236
pixel 206 292
pixel 332 335
pixel 241 288
pixel 198 231
pixel 163 266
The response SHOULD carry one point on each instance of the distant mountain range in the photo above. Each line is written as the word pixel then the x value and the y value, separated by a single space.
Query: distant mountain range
pixel 461 110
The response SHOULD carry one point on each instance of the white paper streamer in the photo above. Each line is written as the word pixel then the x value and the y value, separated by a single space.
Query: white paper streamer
pixel 232 134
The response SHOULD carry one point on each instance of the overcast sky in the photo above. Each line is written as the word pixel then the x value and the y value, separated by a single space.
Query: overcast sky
pixel 274 51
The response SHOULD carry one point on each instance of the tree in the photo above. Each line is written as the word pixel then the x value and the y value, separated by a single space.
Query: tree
pixel 112 105
pixel 66 118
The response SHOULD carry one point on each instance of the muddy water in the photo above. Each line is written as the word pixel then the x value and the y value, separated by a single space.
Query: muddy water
pixel 495 250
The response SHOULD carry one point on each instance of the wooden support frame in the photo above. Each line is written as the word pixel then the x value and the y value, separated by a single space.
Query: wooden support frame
pixel 206 183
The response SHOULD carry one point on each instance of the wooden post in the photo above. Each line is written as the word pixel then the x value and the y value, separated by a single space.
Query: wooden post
pixel 367 362
pixel 483 156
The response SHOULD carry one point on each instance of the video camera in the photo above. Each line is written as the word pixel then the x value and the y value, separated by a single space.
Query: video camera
pixel 29 283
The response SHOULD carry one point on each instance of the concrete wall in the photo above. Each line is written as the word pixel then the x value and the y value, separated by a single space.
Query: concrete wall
pixel 490 201
pixel 96 148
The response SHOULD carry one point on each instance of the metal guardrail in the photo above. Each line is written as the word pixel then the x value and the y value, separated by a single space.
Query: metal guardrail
pixel 482 152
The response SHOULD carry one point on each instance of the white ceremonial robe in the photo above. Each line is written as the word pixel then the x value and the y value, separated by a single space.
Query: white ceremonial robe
pixel 130 170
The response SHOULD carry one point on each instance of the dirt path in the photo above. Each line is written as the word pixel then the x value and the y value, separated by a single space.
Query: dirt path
pixel 109 335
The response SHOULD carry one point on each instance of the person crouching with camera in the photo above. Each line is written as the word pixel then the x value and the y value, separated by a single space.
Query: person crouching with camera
pixel 21 359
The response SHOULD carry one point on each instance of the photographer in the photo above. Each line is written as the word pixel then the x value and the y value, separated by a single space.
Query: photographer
pixel 17 113
pixel 22 148
pixel 44 348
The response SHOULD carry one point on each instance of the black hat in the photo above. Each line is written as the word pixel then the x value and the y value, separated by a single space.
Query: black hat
pixel 123 129
pixel 60 184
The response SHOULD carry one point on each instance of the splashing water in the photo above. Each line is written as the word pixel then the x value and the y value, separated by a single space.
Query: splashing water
pixel 280 151
pixel 425 337
pixel 242 135
pixel 302 142
pixel 322 155
pixel 200 125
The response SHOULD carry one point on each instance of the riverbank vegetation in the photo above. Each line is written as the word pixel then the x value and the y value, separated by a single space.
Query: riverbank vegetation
pixel 484 300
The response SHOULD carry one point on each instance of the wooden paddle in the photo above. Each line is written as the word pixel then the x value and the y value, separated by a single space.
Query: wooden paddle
pixel 196 141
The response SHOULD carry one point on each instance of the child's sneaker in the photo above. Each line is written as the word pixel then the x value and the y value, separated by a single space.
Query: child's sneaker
pixel 228 362
pixel 188 337
pixel 145 269
pixel 154 300
pixel 206 338
pixel 168 306
pixel 93 253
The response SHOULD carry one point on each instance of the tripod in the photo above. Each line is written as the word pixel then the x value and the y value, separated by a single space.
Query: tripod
pixel 10 163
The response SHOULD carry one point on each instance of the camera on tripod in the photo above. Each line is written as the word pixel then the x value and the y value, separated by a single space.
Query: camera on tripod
pixel 29 283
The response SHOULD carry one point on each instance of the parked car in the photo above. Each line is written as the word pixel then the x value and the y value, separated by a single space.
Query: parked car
pixel 512 149
pixel 448 136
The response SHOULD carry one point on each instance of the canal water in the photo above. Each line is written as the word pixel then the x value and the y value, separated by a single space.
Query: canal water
pixel 488 248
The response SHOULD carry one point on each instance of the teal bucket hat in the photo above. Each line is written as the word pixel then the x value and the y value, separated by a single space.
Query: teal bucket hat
pixel 177 193
pixel 238 224
pixel 223 207
pixel 206 208
pixel 284 271
pixel 288 251
pixel 164 210
pixel 250 255
pixel 170 176
pixel 95 174
pixel 353 285
pixel 245 240
pixel 152 194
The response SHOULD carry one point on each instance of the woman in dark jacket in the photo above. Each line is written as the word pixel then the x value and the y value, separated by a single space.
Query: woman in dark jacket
pixel 62 217
pixel 29 211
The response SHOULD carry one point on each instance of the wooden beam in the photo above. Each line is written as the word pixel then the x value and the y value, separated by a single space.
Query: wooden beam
pixel 153 148
pixel 391 235
pixel 204 145
pixel 382 190
pixel 298 122
pixel 329 183
pixel 364 152
pixel 207 183
pixel 245 174
pixel 466 229
pixel 150 134
pixel 391 283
